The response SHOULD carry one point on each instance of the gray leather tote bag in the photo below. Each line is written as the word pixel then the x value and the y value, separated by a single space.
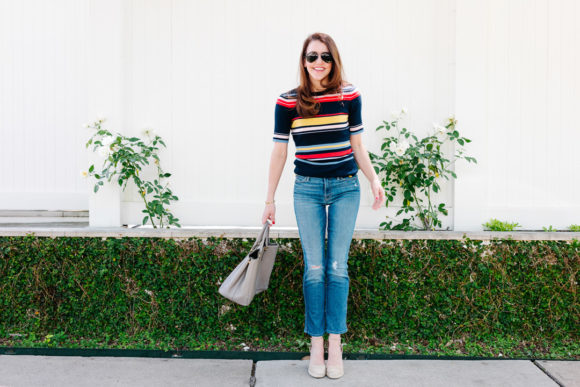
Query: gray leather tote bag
pixel 252 275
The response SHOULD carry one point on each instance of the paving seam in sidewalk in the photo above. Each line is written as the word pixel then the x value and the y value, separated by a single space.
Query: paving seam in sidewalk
pixel 253 375
pixel 548 373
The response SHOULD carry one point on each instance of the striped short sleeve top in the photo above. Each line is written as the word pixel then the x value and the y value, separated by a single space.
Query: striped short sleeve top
pixel 323 141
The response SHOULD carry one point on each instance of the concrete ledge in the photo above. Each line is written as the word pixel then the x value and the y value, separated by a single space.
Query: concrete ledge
pixel 44 213
pixel 275 232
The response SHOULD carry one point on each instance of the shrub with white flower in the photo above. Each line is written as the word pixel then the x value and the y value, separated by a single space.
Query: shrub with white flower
pixel 414 167
pixel 124 157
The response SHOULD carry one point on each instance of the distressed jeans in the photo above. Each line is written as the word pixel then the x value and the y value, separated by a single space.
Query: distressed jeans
pixel 326 206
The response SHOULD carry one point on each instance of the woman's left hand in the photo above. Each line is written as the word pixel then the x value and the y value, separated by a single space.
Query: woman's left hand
pixel 378 193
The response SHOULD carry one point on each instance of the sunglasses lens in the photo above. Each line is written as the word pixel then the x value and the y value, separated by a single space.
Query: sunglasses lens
pixel 326 57
pixel 311 57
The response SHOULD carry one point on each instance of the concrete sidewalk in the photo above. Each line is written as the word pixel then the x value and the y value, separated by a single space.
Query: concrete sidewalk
pixel 62 371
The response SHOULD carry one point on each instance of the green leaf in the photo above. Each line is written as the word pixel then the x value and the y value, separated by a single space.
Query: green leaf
pixel 92 167
pixel 145 219
pixel 96 188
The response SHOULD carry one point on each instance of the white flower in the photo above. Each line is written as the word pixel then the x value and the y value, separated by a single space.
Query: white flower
pixel 84 174
pixel 402 148
pixel 100 117
pixel 86 126
pixel 398 115
pixel 439 129
pixel 106 141
pixel 231 328
pixel 224 309
pixel 103 151
pixel 148 132
pixel 451 120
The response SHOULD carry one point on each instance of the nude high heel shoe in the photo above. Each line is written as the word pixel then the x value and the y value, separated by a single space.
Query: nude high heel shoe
pixel 335 371
pixel 317 370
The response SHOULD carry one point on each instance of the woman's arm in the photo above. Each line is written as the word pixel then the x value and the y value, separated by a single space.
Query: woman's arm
pixel 364 163
pixel 277 162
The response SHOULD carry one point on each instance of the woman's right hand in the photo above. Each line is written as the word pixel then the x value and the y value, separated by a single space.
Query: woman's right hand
pixel 269 213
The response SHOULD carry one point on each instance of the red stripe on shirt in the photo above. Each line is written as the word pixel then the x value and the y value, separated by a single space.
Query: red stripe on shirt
pixel 285 103
pixel 323 155
pixel 344 97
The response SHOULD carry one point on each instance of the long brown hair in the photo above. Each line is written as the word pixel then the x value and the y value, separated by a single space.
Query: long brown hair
pixel 306 105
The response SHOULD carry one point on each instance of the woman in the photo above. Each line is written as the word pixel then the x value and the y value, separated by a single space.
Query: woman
pixel 324 116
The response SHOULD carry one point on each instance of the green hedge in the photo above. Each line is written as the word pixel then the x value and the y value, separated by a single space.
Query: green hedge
pixel 417 291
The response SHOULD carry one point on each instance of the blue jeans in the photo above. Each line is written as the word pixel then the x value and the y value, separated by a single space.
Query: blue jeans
pixel 325 281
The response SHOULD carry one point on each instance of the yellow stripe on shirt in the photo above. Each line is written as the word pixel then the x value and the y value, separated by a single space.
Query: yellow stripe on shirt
pixel 314 121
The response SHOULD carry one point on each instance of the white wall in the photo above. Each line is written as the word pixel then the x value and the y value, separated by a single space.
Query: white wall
pixel 43 103
pixel 517 91
pixel 206 74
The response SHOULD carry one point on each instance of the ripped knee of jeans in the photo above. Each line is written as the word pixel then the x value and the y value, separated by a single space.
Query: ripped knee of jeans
pixel 315 273
pixel 338 270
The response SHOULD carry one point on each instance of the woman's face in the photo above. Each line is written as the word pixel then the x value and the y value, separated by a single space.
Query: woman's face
pixel 319 69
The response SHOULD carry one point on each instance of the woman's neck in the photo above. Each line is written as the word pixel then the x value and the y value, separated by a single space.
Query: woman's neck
pixel 316 87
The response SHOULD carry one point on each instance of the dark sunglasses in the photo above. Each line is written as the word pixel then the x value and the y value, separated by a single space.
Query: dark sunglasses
pixel 312 56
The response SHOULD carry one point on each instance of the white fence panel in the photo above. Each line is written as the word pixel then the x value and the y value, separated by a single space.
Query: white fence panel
pixel 43 103
pixel 517 93
pixel 206 74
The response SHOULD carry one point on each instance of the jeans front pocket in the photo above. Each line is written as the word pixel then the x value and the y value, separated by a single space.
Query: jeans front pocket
pixel 302 179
